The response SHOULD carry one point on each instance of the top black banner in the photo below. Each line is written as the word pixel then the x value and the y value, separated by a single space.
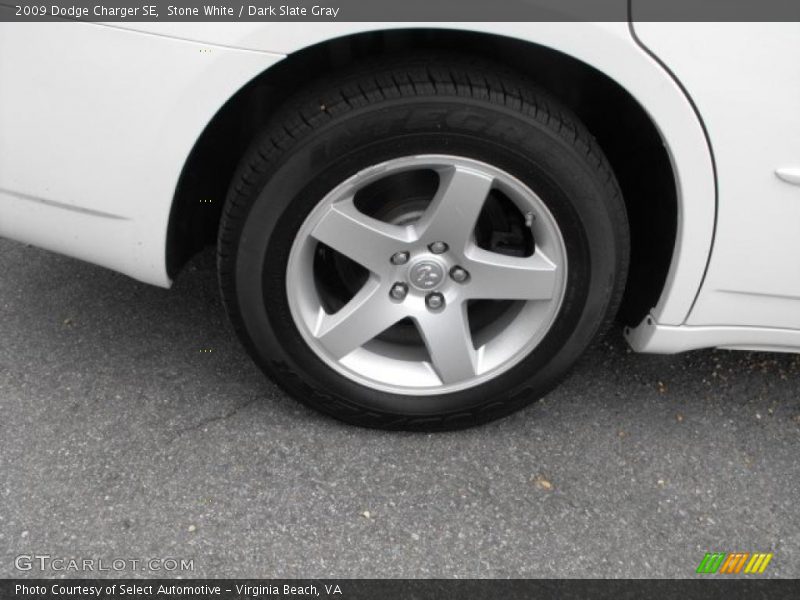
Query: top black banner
pixel 399 10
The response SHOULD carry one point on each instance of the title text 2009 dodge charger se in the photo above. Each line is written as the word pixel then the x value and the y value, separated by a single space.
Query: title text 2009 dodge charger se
pixel 423 227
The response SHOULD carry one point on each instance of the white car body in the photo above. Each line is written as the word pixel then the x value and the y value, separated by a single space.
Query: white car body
pixel 98 120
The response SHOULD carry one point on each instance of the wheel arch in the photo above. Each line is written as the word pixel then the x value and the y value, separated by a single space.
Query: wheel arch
pixel 640 117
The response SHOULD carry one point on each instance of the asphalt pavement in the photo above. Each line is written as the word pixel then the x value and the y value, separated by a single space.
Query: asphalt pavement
pixel 133 426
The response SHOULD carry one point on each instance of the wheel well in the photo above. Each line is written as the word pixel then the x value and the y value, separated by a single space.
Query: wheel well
pixel 623 129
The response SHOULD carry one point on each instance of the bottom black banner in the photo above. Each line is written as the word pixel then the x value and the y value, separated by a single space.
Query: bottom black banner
pixel 390 589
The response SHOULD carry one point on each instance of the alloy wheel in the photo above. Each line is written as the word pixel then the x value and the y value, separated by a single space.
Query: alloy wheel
pixel 409 288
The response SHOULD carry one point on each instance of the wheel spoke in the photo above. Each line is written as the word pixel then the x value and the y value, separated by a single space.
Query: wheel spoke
pixel 496 276
pixel 366 315
pixel 454 210
pixel 449 342
pixel 365 240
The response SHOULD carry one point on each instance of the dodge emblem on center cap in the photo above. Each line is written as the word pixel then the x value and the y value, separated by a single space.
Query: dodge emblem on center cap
pixel 426 275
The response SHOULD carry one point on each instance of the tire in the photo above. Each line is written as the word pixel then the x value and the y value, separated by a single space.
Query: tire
pixel 404 134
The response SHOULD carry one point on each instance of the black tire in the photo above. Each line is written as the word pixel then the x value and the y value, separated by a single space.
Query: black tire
pixel 407 106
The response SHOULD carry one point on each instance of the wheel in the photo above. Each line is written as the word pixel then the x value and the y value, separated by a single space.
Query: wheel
pixel 422 244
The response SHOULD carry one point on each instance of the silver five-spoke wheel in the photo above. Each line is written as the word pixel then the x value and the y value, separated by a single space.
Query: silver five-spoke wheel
pixel 413 298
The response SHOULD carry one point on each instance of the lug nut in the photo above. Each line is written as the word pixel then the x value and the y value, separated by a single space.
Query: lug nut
pixel 438 247
pixel 459 274
pixel 399 258
pixel 398 291
pixel 434 300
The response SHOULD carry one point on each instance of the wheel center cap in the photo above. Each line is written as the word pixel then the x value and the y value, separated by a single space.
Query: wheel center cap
pixel 426 275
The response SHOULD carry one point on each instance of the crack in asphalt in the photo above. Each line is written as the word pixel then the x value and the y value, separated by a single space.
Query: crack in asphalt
pixel 205 422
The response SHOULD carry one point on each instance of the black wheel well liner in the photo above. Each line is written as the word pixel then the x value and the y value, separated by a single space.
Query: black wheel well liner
pixel 621 126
